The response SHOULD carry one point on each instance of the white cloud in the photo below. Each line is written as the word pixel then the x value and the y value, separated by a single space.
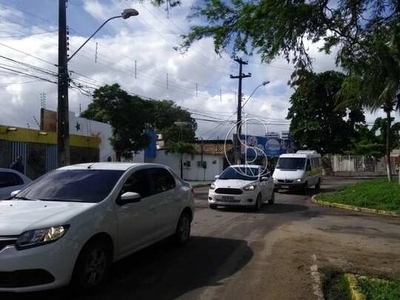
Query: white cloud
pixel 150 40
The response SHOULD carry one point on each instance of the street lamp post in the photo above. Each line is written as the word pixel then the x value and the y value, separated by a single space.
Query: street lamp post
pixel 238 147
pixel 63 151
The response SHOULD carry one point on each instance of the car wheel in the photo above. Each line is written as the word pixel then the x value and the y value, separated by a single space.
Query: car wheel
pixel 213 206
pixel 257 205
pixel 272 200
pixel 318 185
pixel 305 188
pixel 182 232
pixel 92 266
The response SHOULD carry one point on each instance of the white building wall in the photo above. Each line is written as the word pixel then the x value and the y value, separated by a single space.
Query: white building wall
pixel 191 170
pixel 85 127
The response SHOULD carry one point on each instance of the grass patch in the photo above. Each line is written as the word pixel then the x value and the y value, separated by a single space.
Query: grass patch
pixel 375 194
pixel 336 287
pixel 378 289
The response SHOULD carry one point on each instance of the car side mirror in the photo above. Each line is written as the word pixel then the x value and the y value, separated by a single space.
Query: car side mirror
pixel 216 176
pixel 13 193
pixel 129 197
pixel 265 178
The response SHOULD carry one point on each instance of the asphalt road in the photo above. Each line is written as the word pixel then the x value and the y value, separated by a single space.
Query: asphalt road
pixel 281 252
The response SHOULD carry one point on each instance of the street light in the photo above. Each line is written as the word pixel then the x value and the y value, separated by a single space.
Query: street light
pixel 63 150
pixel 237 147
pixel 264 83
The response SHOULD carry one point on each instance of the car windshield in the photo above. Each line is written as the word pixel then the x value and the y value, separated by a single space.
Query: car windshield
pixel 291 163
pixel 241 173
pixel 72 186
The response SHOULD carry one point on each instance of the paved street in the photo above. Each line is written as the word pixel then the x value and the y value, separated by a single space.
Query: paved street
pixel 240 254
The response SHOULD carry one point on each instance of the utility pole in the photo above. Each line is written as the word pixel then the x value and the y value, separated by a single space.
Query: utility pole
pixel 63 151
pixel 239 109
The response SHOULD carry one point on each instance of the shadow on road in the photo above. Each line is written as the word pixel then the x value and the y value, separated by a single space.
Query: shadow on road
pixel 163 271
pixel 277 208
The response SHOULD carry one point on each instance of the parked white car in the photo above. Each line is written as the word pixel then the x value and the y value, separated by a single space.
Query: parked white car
pixel 242 185
pixel 70 225
pixel 11 180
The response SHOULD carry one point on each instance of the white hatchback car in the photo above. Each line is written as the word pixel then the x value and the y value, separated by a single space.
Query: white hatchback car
pixel 242 185
pixel 11 180
pixel 70 225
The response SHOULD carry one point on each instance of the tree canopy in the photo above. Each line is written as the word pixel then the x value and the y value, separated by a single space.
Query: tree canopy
pixel 130 116
pixel 315 119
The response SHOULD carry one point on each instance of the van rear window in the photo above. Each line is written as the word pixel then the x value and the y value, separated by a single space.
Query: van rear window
pixel 291 163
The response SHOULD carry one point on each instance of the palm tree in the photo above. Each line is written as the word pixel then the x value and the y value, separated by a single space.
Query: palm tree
pixel 373 65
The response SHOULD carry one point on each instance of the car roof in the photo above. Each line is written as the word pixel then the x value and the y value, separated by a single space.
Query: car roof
pixel 15 172
pixel 122 166
pixel 245 166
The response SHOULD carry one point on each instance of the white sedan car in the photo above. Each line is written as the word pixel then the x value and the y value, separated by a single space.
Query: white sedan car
pixel 11 180
pixel 242 185
pixel 70 225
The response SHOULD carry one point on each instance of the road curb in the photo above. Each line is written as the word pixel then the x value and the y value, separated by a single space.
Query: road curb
pixel 352 284
pixel 356 208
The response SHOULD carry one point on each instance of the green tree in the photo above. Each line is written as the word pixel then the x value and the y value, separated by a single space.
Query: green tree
pixel 128 116
pixel 165 115
pixel 374 81
pixel 366 33
pixel 315 120
pixel 366 143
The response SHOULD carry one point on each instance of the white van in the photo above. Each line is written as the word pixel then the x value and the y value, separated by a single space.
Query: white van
pixel 299 170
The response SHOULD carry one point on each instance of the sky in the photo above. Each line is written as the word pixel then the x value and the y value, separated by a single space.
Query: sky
pixel 140 54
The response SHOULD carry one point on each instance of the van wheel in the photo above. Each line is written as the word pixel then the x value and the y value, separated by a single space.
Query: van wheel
pixel 272 200
pixel 257 205
pixel 92 265
pixel 318 185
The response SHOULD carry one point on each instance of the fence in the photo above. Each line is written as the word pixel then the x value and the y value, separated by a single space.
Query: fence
pixel 359 165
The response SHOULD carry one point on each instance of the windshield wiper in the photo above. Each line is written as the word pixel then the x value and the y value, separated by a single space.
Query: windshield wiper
pixel 21 198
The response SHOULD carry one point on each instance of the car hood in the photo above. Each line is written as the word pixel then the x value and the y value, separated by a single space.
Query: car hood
pixel 17 216
pixel 233 183
pixel 288 174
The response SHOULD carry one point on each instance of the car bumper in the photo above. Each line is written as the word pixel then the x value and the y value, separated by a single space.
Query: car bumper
pixel 245 199
pixel 38 268
pixel 289 186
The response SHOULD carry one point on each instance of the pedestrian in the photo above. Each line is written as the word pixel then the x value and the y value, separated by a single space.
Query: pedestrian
pixel 17 165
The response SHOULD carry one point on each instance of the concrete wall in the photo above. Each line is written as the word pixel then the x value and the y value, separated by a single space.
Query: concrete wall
pixel 191 169
pixel 85 127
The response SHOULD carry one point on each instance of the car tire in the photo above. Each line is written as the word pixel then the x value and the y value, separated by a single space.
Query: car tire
pixel 272 200
pixel 257 205
pixel 182 232
pixel 213 206
pixel 305 188
pixel 92 266
pixel 318 185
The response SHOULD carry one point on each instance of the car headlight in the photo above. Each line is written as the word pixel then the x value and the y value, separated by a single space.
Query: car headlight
pixel 251 187
pixel 37 237
pixel 298 180
pixel 212 186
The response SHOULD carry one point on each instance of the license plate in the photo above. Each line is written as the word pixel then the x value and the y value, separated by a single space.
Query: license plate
pixel 285 186
pixel 227 198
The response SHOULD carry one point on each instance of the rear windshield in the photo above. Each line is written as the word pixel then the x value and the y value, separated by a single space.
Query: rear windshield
pixel 72 186
pixel 242 173
pixel 291 163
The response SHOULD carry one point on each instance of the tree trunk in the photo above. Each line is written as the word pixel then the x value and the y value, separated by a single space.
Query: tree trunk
pixel 388 144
